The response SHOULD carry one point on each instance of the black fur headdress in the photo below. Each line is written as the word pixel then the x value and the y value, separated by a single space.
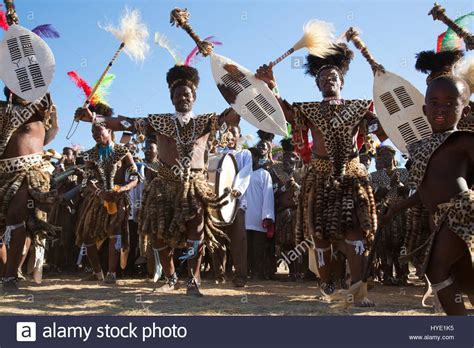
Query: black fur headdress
pixel 102 109
pixel 182 75
pixel 340 60
pixel 437 64
pixel 265 135
pixel 287 145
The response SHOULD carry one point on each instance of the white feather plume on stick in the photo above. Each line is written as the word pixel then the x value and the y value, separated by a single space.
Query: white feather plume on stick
pixel 464 69
pixel 133 33
pixel 318 38
pixel 164 42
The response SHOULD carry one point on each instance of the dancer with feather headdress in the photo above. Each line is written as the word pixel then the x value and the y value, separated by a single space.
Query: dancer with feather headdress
pixel 336 205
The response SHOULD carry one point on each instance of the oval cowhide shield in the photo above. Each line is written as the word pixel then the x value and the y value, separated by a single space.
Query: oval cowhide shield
pixel 26 63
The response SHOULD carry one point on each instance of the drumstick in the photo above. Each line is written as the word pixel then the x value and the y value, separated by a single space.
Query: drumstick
pixel 439 13
pixel 179 18
pixel 354 36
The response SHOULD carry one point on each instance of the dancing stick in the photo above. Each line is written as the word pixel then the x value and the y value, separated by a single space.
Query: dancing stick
pixel 282 57
pixel 112 61
pixel 179 18
pixel 132 35
pixel 12 17
pixel 439 13
pixel 71 131
pixel 354 36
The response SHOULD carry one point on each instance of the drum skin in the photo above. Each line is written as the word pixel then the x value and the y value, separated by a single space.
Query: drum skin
pixel 222 170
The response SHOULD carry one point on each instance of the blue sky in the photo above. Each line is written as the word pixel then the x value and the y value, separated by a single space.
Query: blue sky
pixel 253 33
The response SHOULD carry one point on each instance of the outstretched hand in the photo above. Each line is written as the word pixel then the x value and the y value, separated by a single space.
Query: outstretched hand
pixel 265 73
pixel 83 114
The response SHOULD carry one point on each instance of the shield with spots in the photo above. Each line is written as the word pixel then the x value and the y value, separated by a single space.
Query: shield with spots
pixel 248 96
pixel 26 63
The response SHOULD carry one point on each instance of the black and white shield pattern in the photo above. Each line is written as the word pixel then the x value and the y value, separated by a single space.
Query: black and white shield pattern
pixel 26 63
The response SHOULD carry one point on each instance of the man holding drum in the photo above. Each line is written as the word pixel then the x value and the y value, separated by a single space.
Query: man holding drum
pixel 176 204
pixel 236 230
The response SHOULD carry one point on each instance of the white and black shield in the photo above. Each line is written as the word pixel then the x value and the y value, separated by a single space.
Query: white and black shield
pixel 248 96
pixel 398 105
pixel 26 63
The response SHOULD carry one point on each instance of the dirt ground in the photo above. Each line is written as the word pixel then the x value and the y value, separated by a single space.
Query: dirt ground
pixel 67 295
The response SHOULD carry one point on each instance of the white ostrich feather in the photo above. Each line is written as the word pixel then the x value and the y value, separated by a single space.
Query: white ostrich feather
pixel 133 33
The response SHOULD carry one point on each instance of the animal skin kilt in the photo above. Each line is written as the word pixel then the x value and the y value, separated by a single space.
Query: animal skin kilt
pixel 94 223
pixel 285 226
pixel 392 236
pixel 327 208
pixel 458 213
pixel 170 201
pixel 34 172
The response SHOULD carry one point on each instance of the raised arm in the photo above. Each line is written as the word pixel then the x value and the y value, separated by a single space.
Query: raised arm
pixel 265 73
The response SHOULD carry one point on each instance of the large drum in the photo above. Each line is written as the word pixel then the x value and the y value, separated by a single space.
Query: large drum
pixel 222 170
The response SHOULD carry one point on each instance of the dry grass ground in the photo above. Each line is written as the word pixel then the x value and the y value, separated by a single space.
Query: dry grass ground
pixel 67 295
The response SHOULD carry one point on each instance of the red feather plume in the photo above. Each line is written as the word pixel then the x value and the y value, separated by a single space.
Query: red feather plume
pixel 3 20
pixel 81 83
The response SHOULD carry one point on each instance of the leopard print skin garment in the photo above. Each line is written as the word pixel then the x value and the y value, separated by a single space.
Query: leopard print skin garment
pixel 186 135
pixel 104 170
pixel 337 124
